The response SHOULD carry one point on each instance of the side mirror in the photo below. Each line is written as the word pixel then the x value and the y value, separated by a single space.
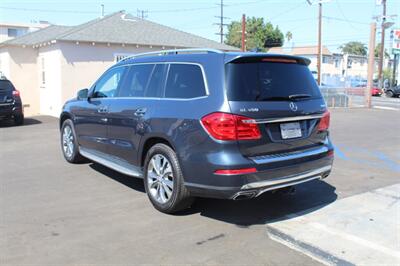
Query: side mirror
pixel 82 94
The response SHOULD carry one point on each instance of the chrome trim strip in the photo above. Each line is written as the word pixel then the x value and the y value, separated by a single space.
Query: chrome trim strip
pixel 6 104
pixel 124 169
pixel 287 184
pixel 282 119
pixel 288 156
pixel 282 181
pixel 172 52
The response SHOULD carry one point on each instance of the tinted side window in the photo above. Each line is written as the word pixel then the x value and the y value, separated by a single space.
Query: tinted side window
pixel 108 84
pixel 6 85
pixel 156 80
pixel 185 81
pixel 136 81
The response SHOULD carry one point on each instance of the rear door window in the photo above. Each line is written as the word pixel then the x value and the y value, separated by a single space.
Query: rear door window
pixel 136 81
pixel 270 81
pixel 185 81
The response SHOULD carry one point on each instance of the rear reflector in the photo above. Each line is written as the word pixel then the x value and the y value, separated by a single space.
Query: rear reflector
pixel 16 93
pixel 324 122
pixel 236 171
pixel 331 153
pixel 224 126
pixel 279 60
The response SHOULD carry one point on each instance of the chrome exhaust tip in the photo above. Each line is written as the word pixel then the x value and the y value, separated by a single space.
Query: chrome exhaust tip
pixel 242 195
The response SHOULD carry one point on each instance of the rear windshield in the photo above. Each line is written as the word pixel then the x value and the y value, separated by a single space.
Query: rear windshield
pixel 6 85
pixel 267 81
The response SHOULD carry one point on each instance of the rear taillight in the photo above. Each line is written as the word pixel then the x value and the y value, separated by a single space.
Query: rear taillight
pixel 235 171
pixel 16 93
pixel 224 126
pixel 324 122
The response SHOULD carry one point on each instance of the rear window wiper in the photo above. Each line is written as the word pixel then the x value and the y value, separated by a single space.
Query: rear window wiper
pixel 284 98
pixel 299 96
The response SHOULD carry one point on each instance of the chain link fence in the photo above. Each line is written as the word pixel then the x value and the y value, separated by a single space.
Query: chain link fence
pixel 344 97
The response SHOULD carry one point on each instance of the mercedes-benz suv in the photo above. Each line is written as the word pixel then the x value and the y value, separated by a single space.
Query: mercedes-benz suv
pixel 203 123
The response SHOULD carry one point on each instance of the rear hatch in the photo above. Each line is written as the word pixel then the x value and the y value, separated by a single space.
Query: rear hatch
pixel 6 91
pixel 282 97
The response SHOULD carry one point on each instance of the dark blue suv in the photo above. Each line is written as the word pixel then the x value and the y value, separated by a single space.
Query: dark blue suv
pixel 203 123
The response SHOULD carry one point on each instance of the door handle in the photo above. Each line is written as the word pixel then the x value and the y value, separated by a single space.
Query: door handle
pixel 102 109
pixel 104 119
pixel 140 112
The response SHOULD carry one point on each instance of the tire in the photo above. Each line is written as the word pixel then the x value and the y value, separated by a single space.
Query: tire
pixel 19 120
pixel 158 183
pixel 69 143
pixel 389 94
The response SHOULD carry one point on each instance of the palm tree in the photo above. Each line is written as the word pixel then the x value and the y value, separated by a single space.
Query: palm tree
pixel 289 36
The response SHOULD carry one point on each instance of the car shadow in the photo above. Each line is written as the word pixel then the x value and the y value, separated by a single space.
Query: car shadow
pixel 27 122
pixel 131 182
pixel 269 207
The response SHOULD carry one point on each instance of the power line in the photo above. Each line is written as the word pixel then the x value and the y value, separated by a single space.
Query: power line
pixel 48 10
pixel 346 20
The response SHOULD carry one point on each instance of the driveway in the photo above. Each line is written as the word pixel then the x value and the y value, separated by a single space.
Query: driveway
pixel 53 212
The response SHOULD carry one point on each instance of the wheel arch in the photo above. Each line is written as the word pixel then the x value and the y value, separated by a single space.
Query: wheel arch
pixel 64 116
pixel 150 142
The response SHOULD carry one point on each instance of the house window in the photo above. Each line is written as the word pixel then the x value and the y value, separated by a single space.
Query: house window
pixel 119 57
pixel 12 32
pixel 337 63
pixel 325 59
pixel 43 72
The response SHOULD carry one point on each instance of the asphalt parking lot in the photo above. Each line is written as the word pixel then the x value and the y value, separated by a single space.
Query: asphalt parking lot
pixel 55 213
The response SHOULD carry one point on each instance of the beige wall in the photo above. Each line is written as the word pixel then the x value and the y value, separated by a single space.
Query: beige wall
pixel 83 63
pixel 23 74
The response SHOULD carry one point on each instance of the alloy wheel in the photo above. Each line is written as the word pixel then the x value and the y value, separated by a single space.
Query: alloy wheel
pixel 160 178
pixel 68 141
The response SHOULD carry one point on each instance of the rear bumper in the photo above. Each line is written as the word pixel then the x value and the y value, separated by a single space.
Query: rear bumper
pixel 9 110
pixel 273 172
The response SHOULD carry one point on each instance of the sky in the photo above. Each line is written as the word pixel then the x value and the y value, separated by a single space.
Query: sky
pixel 343 20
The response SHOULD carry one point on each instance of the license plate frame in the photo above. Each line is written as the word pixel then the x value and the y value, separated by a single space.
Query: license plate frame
pixel 291 130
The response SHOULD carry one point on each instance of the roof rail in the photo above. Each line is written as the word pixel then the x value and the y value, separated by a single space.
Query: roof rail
pixel 175 51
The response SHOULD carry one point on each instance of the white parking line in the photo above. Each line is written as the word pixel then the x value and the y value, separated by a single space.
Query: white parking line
pixel 362 229
pixel 386 108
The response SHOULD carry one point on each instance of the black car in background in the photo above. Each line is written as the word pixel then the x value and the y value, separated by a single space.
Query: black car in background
pixel 393 91
pixel 10 103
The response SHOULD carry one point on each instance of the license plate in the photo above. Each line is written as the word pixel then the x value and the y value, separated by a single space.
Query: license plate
pixel 290 130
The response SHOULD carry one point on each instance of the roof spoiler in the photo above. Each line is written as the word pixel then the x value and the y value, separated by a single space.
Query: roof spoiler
pixel 264 57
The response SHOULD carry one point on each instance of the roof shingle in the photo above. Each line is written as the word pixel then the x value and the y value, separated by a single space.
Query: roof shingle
pixel 123 28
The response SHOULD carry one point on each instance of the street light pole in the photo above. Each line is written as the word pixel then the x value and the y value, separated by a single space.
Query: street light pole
pixel 381 52
pixel 371 65
pixel 319 43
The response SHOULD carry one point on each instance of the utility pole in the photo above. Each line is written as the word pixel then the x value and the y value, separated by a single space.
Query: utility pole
pixel 221 23
pixel 371 65
pixel 243 33
pixel 319 43
pixel 102 10
pixel 142 13
pixel 319 59
pixel 381 52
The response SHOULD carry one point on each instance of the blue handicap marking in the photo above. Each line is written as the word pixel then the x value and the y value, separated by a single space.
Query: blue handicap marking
pixel 377 159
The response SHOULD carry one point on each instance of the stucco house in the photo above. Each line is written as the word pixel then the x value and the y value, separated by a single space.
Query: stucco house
pixel 48 66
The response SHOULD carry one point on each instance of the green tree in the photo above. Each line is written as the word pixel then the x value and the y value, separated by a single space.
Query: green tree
pixel 354 48
pixel 378 50
pixel 259 34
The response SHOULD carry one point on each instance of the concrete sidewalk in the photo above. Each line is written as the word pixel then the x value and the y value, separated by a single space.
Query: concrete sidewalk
pixel 361 230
